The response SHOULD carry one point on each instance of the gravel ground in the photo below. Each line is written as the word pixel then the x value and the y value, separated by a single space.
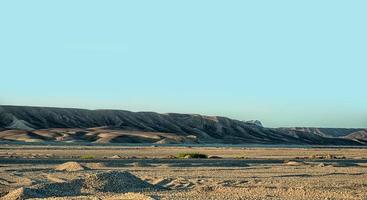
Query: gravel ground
pixel 273 174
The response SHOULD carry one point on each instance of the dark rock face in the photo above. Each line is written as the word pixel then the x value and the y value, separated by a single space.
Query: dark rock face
pixel 205 129
pixel 256 122
pixel 327 132
pixel 355 134
pixel 360 136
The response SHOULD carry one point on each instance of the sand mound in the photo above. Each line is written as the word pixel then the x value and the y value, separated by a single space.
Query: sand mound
pixel 71 188
pixel 117 182
pixel 70 167
pixel 114 182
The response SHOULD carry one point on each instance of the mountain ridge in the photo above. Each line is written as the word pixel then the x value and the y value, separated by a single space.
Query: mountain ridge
pixel 22 123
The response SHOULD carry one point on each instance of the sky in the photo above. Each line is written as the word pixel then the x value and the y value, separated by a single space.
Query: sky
pixel 285 62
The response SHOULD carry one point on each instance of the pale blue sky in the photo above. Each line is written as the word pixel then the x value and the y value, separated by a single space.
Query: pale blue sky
pixel 286 63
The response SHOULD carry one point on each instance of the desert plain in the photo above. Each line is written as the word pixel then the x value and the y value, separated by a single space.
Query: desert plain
pixel 155 172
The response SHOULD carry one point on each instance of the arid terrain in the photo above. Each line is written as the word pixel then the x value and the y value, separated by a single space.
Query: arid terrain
pixel 183 100
pixel 60 153
pixel 154 172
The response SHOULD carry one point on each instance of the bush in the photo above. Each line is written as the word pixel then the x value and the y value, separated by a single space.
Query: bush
pixel 87 157
pixel 191 155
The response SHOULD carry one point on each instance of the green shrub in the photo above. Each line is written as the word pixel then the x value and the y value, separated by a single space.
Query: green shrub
pixel 87 157
pixel 191 155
